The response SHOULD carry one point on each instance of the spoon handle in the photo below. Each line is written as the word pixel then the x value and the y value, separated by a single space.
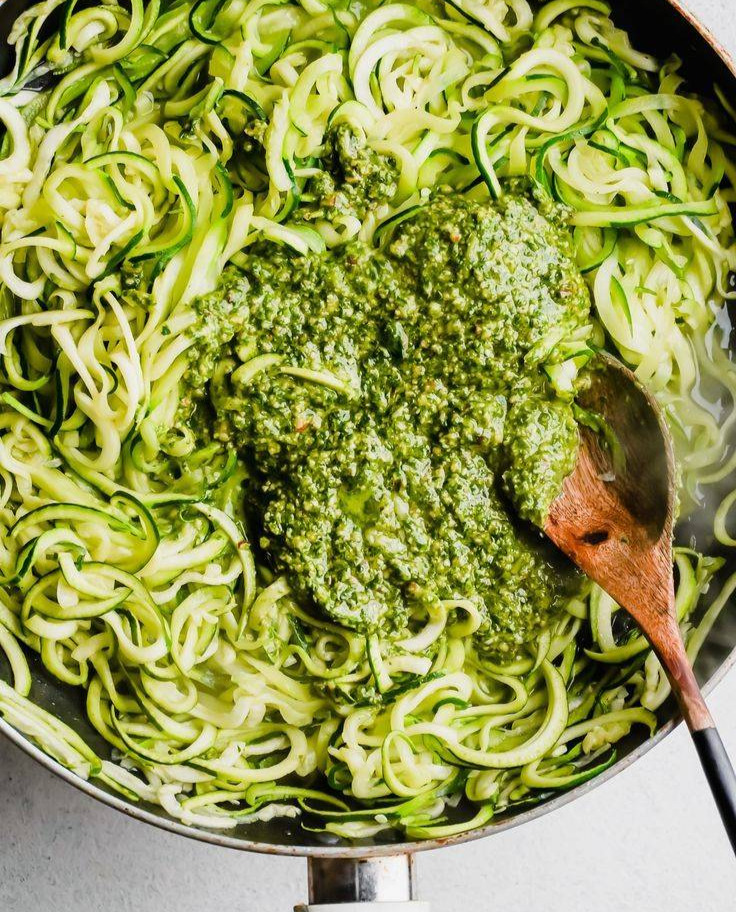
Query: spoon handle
pixel 720 775
pixel 713 757
pixel 667 642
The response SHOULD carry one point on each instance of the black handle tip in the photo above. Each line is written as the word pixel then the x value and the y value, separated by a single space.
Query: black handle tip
pixel 720 775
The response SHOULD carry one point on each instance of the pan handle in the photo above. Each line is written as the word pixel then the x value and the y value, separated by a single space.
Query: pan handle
pixel 362 884
pixel 412 906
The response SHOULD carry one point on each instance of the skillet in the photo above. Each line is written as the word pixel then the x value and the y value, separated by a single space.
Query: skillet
pixel 343 875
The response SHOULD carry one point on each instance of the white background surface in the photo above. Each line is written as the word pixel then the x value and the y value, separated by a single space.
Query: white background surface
pixel 648 840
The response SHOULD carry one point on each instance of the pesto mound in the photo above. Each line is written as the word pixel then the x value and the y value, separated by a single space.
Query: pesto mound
pixel 392 406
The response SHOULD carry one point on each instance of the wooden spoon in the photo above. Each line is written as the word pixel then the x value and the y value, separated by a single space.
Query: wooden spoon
pixel 614 520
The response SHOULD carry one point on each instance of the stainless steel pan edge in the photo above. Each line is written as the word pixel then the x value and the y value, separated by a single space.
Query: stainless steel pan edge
pixel 708 52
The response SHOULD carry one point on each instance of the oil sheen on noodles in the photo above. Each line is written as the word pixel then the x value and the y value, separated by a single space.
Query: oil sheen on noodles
pixel 123 560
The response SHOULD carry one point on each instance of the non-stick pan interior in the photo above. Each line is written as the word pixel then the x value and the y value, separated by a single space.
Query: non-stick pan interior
pixel 657 27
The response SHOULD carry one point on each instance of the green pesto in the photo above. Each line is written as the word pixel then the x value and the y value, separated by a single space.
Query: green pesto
pixel 408 457
pixel 355 179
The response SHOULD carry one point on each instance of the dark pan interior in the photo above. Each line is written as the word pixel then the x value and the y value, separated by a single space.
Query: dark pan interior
pixel 656 27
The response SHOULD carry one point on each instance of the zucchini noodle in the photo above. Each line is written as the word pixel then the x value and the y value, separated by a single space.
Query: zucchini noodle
pixel 147 144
